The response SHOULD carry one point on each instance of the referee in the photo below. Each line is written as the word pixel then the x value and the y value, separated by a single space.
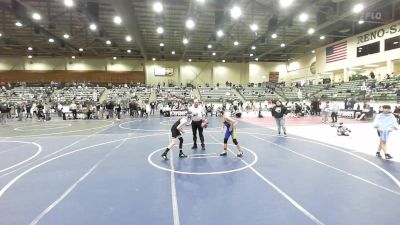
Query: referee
pixel 198 115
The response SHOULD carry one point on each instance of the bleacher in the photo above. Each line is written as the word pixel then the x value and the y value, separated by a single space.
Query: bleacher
pixel 69 94
pixel 341 91
pixel 381 93
pixel 289 93
pixel 174 93
pixel 216 94
pixel 311 90
pixel 128 94
pixel 25 94
pixel 257 93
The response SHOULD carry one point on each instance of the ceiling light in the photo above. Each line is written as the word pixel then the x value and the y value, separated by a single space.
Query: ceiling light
pixel 251 54
pixel 322 37
pixel 69 3
pixel 36 16
pixel 108 42
pixel 29 56
pixel 160 30
pixel 220 33
pixel 395 43
pixel 66 36
pixel 355 68
pixel 173 52
pixel 283 45
pixel 256 59
pixel 189 24
pixel 236 12
pixel 189 60
pixel 313 51
pixel 51 40
pixel 285 3
pixel 185 41
pixel 236 43
pixel 114 58
pixel 158 7
pixel 73 57
pixel 200 1
pixel 1 34
pixel 274 35
pixel 128 38
pixel 254 27
pixel 303 17
pixel 253 47
pixel 30 48
pixel 128 51
pixel 18 24
pixel 214 53
pixel 117 20
pixel 360 21
pixel 93 26
pixel 161 44
pixel 311 31
pixel 81 49
pixel 223 60
pixel 154 59
pixel 358 8
pixel 209 46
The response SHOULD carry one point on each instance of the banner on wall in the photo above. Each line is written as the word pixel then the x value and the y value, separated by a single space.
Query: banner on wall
pixel 163 71
pixel 274 77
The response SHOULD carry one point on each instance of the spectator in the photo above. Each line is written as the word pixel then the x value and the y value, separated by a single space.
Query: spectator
pixel 325 112
pixel 73 109
pixel 279 112
pixel 152 107
pixel 372 75
pixel 335 110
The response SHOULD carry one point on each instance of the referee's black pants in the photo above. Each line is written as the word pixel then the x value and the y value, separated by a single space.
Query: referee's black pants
pixel 196 125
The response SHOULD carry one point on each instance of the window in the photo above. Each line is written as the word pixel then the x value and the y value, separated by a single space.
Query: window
pixel 392 43
pixel 368 49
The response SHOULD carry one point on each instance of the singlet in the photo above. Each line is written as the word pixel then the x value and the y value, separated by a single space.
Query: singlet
pixel 227 124
pixel 176 124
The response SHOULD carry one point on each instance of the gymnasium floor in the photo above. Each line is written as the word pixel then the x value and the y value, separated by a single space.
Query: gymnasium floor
pixel 111 173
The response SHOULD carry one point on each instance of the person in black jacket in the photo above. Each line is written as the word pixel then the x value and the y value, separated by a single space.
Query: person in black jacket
pixel 279 112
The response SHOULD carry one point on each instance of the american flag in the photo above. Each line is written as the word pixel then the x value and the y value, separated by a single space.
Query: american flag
pixel 336 52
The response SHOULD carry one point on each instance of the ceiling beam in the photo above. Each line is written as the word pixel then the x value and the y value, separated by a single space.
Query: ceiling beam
pixel 31 23
pixel 281 23
pixel 269 11
pixel 187 36
pixel 126 11
pixel 328 24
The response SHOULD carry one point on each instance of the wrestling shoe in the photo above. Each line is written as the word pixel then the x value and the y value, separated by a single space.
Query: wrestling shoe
pixel 388 156
pixel 182 155
pixel 164 156
pixel 240 154
pixel 378 154
pixel 223 154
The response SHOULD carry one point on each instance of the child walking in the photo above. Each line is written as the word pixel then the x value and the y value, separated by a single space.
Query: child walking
pixel 385 123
